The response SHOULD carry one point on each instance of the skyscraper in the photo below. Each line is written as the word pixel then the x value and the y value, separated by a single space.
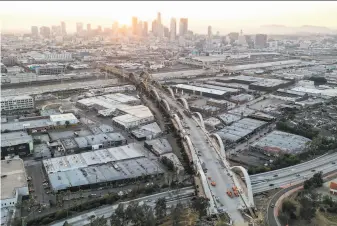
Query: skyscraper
pixel 35 31
pixel 140 28
pixel 88 28
pixel 79 28
pixel 183 26
pixel 145 28
pixel 134 25
pixel 173 29
pixel 160 27
pixel 63 28
pixel 45 32
pixel 209 32
pixel 154 27
pixel 260 41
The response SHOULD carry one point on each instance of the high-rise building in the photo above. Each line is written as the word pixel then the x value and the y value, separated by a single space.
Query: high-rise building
pixel 99 29
pixel 79 28
pixel 160 27
pixel 183 26
pixel 173 29
pixel 115 26
pixel 234 36
pixel 166 32
pixel 88 28
pixel 134 25
pixel 209 32
pixel 154 27
pixel 45 32
pixel 35 31
pixel 140 28
pixel 63 28
pixel 260 41
pixel 56 30
pixel 145 28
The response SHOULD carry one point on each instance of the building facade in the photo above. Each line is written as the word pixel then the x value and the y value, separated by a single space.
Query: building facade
pixel 11 103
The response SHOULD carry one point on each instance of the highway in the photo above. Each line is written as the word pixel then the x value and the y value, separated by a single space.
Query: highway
pixel 173 197
pixel 214 165
pixel 294 174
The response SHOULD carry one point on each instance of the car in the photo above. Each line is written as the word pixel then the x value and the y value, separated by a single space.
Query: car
pixel 209 178
pixel 47 192
pixel 272 205
pixel 275 175
pixel 297 175
pixel 149 200
pixel 92 195
pixel 271 185
pixel 333 163
pixel 313 170
pixel 217 199
pixel 39 211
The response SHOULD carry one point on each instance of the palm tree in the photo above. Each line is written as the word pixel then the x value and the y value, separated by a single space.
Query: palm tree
pixel 67 123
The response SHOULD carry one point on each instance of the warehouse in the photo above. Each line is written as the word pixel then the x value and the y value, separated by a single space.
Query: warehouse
pixel 278 142
pixel 100 168
pixel 38 125
pixel 226 89
pixel 98 141
pixel 134 116
pixel 242 98
pixel 13 183
pixel 222 104
pixel 269 84
pixel 16 143
pixel 195 90
pixel 63 119
pixel 240 130
pixel 158 146
pixel 228 119
pixel 147 132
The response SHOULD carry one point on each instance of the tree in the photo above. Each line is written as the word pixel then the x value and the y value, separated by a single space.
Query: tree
pixel 160 208
pixel 118 218
pixel 289 208
pixel 67 123
pixel 176 214
pixel 101 221
pixel 327 200
pixel 201 204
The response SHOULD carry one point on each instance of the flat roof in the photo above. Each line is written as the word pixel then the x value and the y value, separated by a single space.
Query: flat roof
pixel 161 145
pixel 15 126
pixel 200 89
pixel 63 117
pixel 15 138
pixel 222 88
pixel 178 74
pixel 14 170
pixel 278 141
pixel 262 65
pixel 23 97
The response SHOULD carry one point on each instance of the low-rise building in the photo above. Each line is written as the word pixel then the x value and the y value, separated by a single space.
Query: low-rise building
pixel 16 143
pixel 333 188
pixel 147 132
pixel 158 146
pixel 11 103
pixel 64 119
pixel 13 182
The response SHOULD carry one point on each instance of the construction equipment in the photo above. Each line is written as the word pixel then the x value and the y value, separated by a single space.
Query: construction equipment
pixel 229 193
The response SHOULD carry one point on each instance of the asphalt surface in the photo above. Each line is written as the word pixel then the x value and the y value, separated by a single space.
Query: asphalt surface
pixel 173 197
pixel 215 168
pixel 294 174
pixel 271 218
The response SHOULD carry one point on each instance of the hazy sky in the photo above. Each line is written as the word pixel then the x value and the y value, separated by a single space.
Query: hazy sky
pixel 222 16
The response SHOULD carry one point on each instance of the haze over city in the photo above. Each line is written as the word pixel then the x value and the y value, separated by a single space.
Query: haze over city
pixel 222 16
pixel 168 113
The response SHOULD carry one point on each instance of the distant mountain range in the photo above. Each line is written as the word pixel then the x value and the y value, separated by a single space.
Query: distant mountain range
pixel 305 29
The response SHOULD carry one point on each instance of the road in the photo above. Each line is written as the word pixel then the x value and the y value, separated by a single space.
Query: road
pixel 214 165
pixel 271 216
pixel 173 197
pixel 294 174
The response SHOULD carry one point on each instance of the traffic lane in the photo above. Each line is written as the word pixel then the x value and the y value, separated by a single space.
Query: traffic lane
pixel 284 181
pixel 36 173
pixel 272 221
pixel 300 167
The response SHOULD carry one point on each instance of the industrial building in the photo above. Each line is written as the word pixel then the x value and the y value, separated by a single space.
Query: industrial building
pixel 241 98
pixel 240 130
pixel 278 143
pixel 158 146
pixel 29 125
pixel 228 119
pixel 50 69
pixel 222 104
pixel 16 143
pixel 63 119
pixel 147 132
pixel 11 103
pixel 207 92
pixel 13 183
pixel 100 168
pixel 133 116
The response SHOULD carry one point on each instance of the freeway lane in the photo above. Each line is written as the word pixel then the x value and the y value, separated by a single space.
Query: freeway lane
pixel 173 197
pixel 295 174
pixel 298 168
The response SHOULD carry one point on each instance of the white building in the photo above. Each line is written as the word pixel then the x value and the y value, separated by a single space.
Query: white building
pixel 13 182
pixel 173 29
pixel 133 116
pixel 10 103
pixel 61 119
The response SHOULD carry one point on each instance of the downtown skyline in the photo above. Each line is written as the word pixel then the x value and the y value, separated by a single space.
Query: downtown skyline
pixel 249 16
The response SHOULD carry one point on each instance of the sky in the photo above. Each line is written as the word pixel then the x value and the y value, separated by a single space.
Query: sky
pixel 223 16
